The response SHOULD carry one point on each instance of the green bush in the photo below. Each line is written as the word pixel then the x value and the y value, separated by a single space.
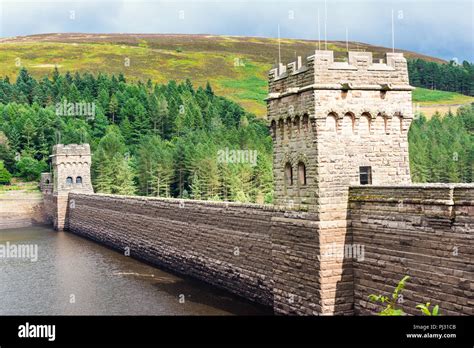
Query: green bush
pixel 30 168
pixel 5 176
pixel 390 302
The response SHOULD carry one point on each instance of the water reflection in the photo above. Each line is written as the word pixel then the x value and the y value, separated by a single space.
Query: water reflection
pixel 76 276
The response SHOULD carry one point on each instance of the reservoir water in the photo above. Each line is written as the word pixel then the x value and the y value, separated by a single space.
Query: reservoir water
pixel 75 276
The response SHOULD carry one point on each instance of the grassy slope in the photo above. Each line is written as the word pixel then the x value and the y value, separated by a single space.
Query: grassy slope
pixel 237 67
pixel 430 101
pixel 429 97
pixel 18 185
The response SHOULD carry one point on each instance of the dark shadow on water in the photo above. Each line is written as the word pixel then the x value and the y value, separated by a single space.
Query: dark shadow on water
pixel 105 280
pixel 197 291
pixel 194 290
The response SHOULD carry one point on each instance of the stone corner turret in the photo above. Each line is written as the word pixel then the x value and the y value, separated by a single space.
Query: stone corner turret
pixel 71 173
pixel 72 168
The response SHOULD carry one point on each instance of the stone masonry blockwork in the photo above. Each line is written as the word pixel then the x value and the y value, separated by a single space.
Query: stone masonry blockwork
pixel 424 231
pixel 328 120
pixel 226 244
pixel 334 125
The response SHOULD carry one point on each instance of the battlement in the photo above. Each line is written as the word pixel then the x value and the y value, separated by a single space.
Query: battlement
pixel 71 154
pixel 337 123
pixel 72 150
pixel 358 72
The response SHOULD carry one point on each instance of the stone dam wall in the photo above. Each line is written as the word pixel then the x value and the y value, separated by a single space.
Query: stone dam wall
pixel 423 231
pixel 21 209
pixel 279 259
pixel 226 244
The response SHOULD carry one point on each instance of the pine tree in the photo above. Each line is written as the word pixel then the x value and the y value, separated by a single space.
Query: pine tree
pixel 196 189
pixel 123 176
pixel 29 131
pixel 127 130
pixel 110 165
pixel 113 107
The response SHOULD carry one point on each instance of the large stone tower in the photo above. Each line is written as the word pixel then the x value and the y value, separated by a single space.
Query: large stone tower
pixel 337 124
pixel 71 173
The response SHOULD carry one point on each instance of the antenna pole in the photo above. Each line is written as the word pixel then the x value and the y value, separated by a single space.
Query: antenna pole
pixel 393 34
pixel 319 33
pixel 347 39
pixel 279 47
pixel 325 25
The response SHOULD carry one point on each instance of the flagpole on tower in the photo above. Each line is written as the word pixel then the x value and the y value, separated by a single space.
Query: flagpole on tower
pixel 279 46
pixel 319 33
pixel 325 25
pixel 393 34
pixel 347 39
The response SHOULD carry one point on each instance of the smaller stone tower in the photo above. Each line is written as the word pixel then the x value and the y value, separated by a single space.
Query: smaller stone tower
pixel 71 168
pixel 71 173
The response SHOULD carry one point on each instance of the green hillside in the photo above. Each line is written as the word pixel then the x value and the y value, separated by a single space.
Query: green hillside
pixel 429 101
pixel 166 138
pixel 428 96
pixel 236 67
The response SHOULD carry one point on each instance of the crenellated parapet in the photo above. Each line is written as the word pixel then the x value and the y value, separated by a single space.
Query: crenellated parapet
pixel 338 109
pixel 69 152
pixel 359 90
pixel 358 72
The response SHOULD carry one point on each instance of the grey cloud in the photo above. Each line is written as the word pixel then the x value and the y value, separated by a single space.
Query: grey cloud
pixel 443 28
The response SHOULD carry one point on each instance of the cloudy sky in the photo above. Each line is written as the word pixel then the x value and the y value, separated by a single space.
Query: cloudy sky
pixel 441 28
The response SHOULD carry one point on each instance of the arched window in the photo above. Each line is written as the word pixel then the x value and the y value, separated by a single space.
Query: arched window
pixel 69 180
pixel 297 124
pixel 331 123
pixel 289 124
pixel 305 122
pixel 364 123
pixel 288 174
pixel 397 123
pixel 348 123
pixel 47 181
pixel 79 180
pixel 301 174
pixel 386 125
pixel 281 127
pixel 273 128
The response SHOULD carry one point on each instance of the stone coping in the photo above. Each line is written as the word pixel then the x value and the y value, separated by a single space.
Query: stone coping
pixel 415 186
pixel 221 204
pixel 428 194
